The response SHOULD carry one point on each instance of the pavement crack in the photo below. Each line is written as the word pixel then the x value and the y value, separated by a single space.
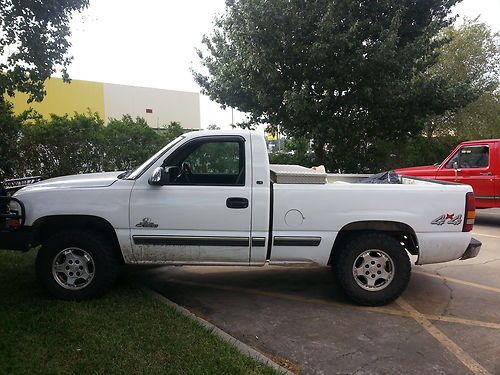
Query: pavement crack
pixel 440 268
pixel 488 261
pixel 370 364
pixel 343 355
pixel 436 270
pixel 450 298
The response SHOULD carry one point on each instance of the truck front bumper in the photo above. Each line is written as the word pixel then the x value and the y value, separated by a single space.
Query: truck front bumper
pixel 16 240
pixel 472 250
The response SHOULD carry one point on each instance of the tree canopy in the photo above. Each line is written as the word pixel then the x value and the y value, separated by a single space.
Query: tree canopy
pixel 34 43
pixel 472 60
pixel 340 72
pixel 10 126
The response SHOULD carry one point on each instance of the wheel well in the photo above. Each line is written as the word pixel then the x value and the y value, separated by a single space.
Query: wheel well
pixel 403 233
pixel 47 226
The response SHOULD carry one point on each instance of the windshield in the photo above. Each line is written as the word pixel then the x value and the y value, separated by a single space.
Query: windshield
pixel 138 171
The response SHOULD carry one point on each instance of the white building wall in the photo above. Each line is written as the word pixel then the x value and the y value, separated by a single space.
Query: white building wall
pixel 166 105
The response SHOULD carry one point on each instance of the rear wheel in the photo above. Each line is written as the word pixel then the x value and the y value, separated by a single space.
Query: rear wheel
pixel 76 265
pixel 372 268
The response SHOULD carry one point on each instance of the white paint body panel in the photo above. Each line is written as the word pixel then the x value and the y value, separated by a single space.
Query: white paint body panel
pixel 328 208
pixel 304 211
pixel 61 197
pixel 202 216
pixel 191 211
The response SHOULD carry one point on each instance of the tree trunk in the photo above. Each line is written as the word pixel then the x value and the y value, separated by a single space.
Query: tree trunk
pixel 319 151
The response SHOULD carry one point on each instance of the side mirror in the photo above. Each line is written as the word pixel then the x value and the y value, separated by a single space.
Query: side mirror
pixel 455 165
pixel 159 177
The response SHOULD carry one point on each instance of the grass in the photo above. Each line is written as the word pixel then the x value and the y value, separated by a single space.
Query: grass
pixel 125 332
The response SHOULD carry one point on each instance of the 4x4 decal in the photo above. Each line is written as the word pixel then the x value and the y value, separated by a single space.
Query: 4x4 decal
pixel 448 219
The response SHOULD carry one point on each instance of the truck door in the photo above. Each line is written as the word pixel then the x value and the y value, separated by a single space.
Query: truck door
pixel 203 214
pixel 471 165
pixel 446 172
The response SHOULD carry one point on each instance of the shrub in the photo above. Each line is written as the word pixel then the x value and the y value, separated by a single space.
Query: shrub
pixel 126 143
pixel 64 145
pixel 60 146
pixel 10 130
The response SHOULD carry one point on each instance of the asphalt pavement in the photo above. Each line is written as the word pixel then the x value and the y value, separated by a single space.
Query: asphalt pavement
pixel 447 321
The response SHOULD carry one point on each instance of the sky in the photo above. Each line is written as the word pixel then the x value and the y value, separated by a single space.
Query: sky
pixel 152 43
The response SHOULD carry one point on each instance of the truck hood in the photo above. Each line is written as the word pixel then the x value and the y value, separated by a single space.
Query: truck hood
pixel 427 170
pixel 89 180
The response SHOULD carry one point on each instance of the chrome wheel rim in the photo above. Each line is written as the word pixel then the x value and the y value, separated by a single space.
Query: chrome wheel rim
pixel 73 268
pixel 373 270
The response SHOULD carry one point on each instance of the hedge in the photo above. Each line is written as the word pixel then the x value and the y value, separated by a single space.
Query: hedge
pixel 80 143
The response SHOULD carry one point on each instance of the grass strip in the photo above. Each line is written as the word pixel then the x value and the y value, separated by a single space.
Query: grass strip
pixel 125 332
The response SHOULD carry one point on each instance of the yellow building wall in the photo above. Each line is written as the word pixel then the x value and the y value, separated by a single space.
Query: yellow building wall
pixel 64 98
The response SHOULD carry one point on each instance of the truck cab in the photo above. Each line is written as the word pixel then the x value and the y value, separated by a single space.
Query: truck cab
pixel 475 163
pixel 211 206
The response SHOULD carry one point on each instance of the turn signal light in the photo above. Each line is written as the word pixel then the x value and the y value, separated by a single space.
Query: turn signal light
pixel 470 212
pixel 14 224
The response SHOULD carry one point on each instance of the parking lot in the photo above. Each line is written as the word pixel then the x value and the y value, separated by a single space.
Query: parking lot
pixel 447 322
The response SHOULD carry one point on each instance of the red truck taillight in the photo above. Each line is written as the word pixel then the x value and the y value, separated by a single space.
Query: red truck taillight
pixel 470 212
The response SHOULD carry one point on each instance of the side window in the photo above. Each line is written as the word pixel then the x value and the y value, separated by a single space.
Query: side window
pixel 454 159
pixel 215 158
pixel 214 163
pixel 470 157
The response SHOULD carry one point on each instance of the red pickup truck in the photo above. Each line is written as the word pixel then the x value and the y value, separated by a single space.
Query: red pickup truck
pixel 476 163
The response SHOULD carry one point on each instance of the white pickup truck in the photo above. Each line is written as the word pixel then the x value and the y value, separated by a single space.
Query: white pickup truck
pixel 208 198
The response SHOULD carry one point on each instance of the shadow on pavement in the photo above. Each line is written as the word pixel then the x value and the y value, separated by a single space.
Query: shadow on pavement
pixel 488 217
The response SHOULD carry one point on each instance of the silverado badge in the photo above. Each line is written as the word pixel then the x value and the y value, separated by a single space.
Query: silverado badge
pixel 452 219
pixel 147 223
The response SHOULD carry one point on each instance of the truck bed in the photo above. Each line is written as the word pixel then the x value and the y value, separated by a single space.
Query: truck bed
pixel 297 174
pixel 333 178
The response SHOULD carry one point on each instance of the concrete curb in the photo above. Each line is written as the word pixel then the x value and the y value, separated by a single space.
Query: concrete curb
pixel 242 347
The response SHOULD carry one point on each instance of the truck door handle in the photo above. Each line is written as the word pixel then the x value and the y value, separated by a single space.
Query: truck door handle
pixel 485 173
pixel 235 202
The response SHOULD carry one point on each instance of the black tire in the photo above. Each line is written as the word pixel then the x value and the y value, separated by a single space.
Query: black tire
pixel 103 266
pixel 349 253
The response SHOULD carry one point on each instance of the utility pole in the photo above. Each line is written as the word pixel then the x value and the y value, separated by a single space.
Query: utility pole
pixel 279 138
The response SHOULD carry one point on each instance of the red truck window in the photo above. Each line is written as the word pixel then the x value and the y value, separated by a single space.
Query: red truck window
pixel 470 157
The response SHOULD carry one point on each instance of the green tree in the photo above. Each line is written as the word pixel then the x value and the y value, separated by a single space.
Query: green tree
pixel 81 143
pixel 61 146
pixel 126 143
pixel 471 60
pixel 295 151
pixel 419 150
pixel 345 72
pixel 478 120
pixel 34 43
pixel 171 131
pixel 10 126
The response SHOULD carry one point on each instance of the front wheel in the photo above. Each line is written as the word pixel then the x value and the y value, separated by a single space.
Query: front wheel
pixel 372 269
pixel 76 265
